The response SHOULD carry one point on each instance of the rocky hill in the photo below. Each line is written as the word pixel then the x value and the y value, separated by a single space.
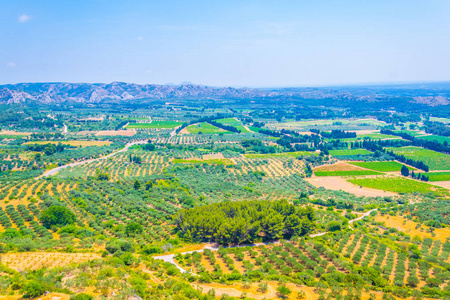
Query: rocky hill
pixel 428 94
pixel 118 91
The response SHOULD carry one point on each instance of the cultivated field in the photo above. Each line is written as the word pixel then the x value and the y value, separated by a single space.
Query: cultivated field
pixel 233 122
pixel 438 176
pixel 340 184
pixel 382 166
pixel 399 184
pixel 440 139
pixel 434 160
pixel 205 128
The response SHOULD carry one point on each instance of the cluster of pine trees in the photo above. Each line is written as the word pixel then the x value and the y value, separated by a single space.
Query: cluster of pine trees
pixel 437 128
pixel 232 223
pixel 48 149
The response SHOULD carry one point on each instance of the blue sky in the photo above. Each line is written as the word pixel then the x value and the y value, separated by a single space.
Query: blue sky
pixel 225 43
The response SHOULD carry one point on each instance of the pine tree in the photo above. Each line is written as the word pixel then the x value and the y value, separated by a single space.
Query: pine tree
pixel 405 171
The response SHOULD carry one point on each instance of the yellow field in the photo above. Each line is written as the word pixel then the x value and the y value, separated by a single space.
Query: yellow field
pixel 74 143
pixel 10 132
pixel 37 260
pixel 409 227
pixel 236 290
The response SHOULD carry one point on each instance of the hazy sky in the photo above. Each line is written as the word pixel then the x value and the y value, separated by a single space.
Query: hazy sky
pixel 225 43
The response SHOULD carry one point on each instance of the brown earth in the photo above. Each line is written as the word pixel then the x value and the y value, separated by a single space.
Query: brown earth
pixel 339 166
pixel 338 184
pixel 116 133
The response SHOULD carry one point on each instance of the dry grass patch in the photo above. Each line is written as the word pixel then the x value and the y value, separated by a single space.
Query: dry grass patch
pixel 37 260
pixel 11 132
pixel 237 289
pixel 73 143
pixel 409 227
pixel 339 166
pixel 338 184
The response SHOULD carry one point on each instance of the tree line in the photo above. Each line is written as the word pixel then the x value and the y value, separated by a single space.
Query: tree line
pixel 431 145
pixel 48 149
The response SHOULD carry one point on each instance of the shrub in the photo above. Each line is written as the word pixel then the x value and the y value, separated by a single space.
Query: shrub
pixel 133 228
pixel 334 225
pixel 33 289
pixel 57 215
pixel 81 296
pixel 283 291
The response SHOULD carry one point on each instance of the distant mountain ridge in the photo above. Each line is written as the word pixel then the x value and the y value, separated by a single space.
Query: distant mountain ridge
pixel 58 92
pixel 117 91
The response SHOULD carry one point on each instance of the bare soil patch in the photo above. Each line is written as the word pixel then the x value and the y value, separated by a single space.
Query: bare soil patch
pixel 444 184
pixel 338 184
pixel 339 166
pixel 116 133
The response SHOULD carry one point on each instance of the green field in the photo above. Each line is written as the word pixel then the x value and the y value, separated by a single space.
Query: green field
pixel 350 152
pixel 440 139
pixel 7 136
pixel 233 122
pixel 284 154
pixel 346 173
pixel 434 160
pixel 399 185
pixel 219 161
pixel 442 120
pixel 377 136
pixel 382 166
pixel 205 128
pixel 155 124
pixel 438 176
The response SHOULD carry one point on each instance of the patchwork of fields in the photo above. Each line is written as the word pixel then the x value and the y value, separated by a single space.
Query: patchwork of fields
pixel 338 222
